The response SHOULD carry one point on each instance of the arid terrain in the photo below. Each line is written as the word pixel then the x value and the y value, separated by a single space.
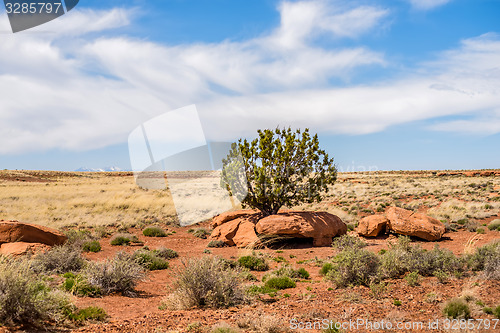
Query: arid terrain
pixel 105 204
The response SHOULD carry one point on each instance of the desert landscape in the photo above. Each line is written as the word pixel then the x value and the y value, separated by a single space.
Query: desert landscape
pixel 285 282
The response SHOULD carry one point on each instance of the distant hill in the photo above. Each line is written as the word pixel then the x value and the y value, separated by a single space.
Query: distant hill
pixel 106 169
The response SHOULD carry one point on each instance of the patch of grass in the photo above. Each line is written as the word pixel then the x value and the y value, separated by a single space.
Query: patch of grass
pixel 377 289
pixel 91 246
pixel 59 259
pixel 280 282
pixel 353 267
pixel 124 239
pixel 206 282
pixel 397 302
pixel 441 276
pixel 120 274
pixel 253 262
pixel 25 299
pixel 486 259
pixel 480 230
pixel 457 308
pixel 216 243
pixel 295 274
pixel 201 233
pixel 494 225
pixel 91 313
pixel 257 290
pixel 496 312
pixel 150 260
pixel 224 328
pixel 166 253
pixel 154 231
pixel 488 310
pixel 327 266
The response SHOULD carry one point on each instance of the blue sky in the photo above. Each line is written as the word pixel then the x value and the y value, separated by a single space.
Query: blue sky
pixel 388 85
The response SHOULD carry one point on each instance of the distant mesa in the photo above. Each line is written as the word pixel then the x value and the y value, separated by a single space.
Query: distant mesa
pixel 106 169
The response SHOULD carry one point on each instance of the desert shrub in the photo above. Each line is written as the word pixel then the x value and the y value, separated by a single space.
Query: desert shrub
pixel 77 284
pixel 201 233
pixel 257 290
pixel 25 299
pixel 59 259
pixel 487 310
pixel 413 279
pixel 166 253
pixel 150 260
pixel 377 289
pixel 119 274
pixel 123 239
pixel 153 231
pixel 494 225
pixel 279 282
pixel 224 328
pixel 282 167
pixel 496 312
pixel 402 258
pixel 456 308
pixel 327 266
pixel 91 246
pixel 485 257
pixel 253 263
pixel 206 282
pixel 262 323
pixel 345 242
pixel 441 276
pixel 92 313
pixel 78 236
pixel 216 243
pixel 353 267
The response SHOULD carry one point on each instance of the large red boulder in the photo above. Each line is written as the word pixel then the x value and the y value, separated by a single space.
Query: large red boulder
pixel 20 248
pixel 406 222
pixel 371 226
pixel 320 226
pixel 14 231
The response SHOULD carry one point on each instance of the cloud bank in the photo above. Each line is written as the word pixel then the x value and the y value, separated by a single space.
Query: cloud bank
pixel 76 89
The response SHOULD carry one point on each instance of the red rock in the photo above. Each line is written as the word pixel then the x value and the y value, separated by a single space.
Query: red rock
pixel 228 216
pixel 371 226
pixel 14 231
pixel 406 222
pixel 320 226
pixel 239 232
pixel 20 248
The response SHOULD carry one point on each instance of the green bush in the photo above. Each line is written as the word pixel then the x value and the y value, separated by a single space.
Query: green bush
pixel 92 313
pixel 257 290
pixel 488 310
pixel 59 259
pixel 166 253
pixel 206 282
pixel 413 279
pixel 487 259
pixel 456 308
pixel 154 231
pixel 91 246
pixel 123 239
pixel 119 274
pixel 25 299
pixel 496 312
pixel 353 267
pixel 216 243
pixel 77 284
pixel 223 328
pixel 150 260
pixel 253 263
pixel 283 168
pixel 494 225
pixel 279 282
pixel 345 242
pixel 441 276
pixel 327 266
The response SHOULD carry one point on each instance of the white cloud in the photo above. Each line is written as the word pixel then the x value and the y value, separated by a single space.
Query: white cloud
pixel 428 4
pixel 72 90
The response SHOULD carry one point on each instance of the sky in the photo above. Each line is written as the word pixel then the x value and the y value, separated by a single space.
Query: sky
pixel 387 85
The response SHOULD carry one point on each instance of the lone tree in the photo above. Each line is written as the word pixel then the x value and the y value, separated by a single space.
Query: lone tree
pixel 280 168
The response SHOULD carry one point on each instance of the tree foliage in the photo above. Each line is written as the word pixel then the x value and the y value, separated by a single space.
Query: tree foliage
pixel 280 168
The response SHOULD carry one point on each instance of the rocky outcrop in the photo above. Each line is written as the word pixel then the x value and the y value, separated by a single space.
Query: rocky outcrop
pixel 14 231
pixel 242 228
pixel 20 248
